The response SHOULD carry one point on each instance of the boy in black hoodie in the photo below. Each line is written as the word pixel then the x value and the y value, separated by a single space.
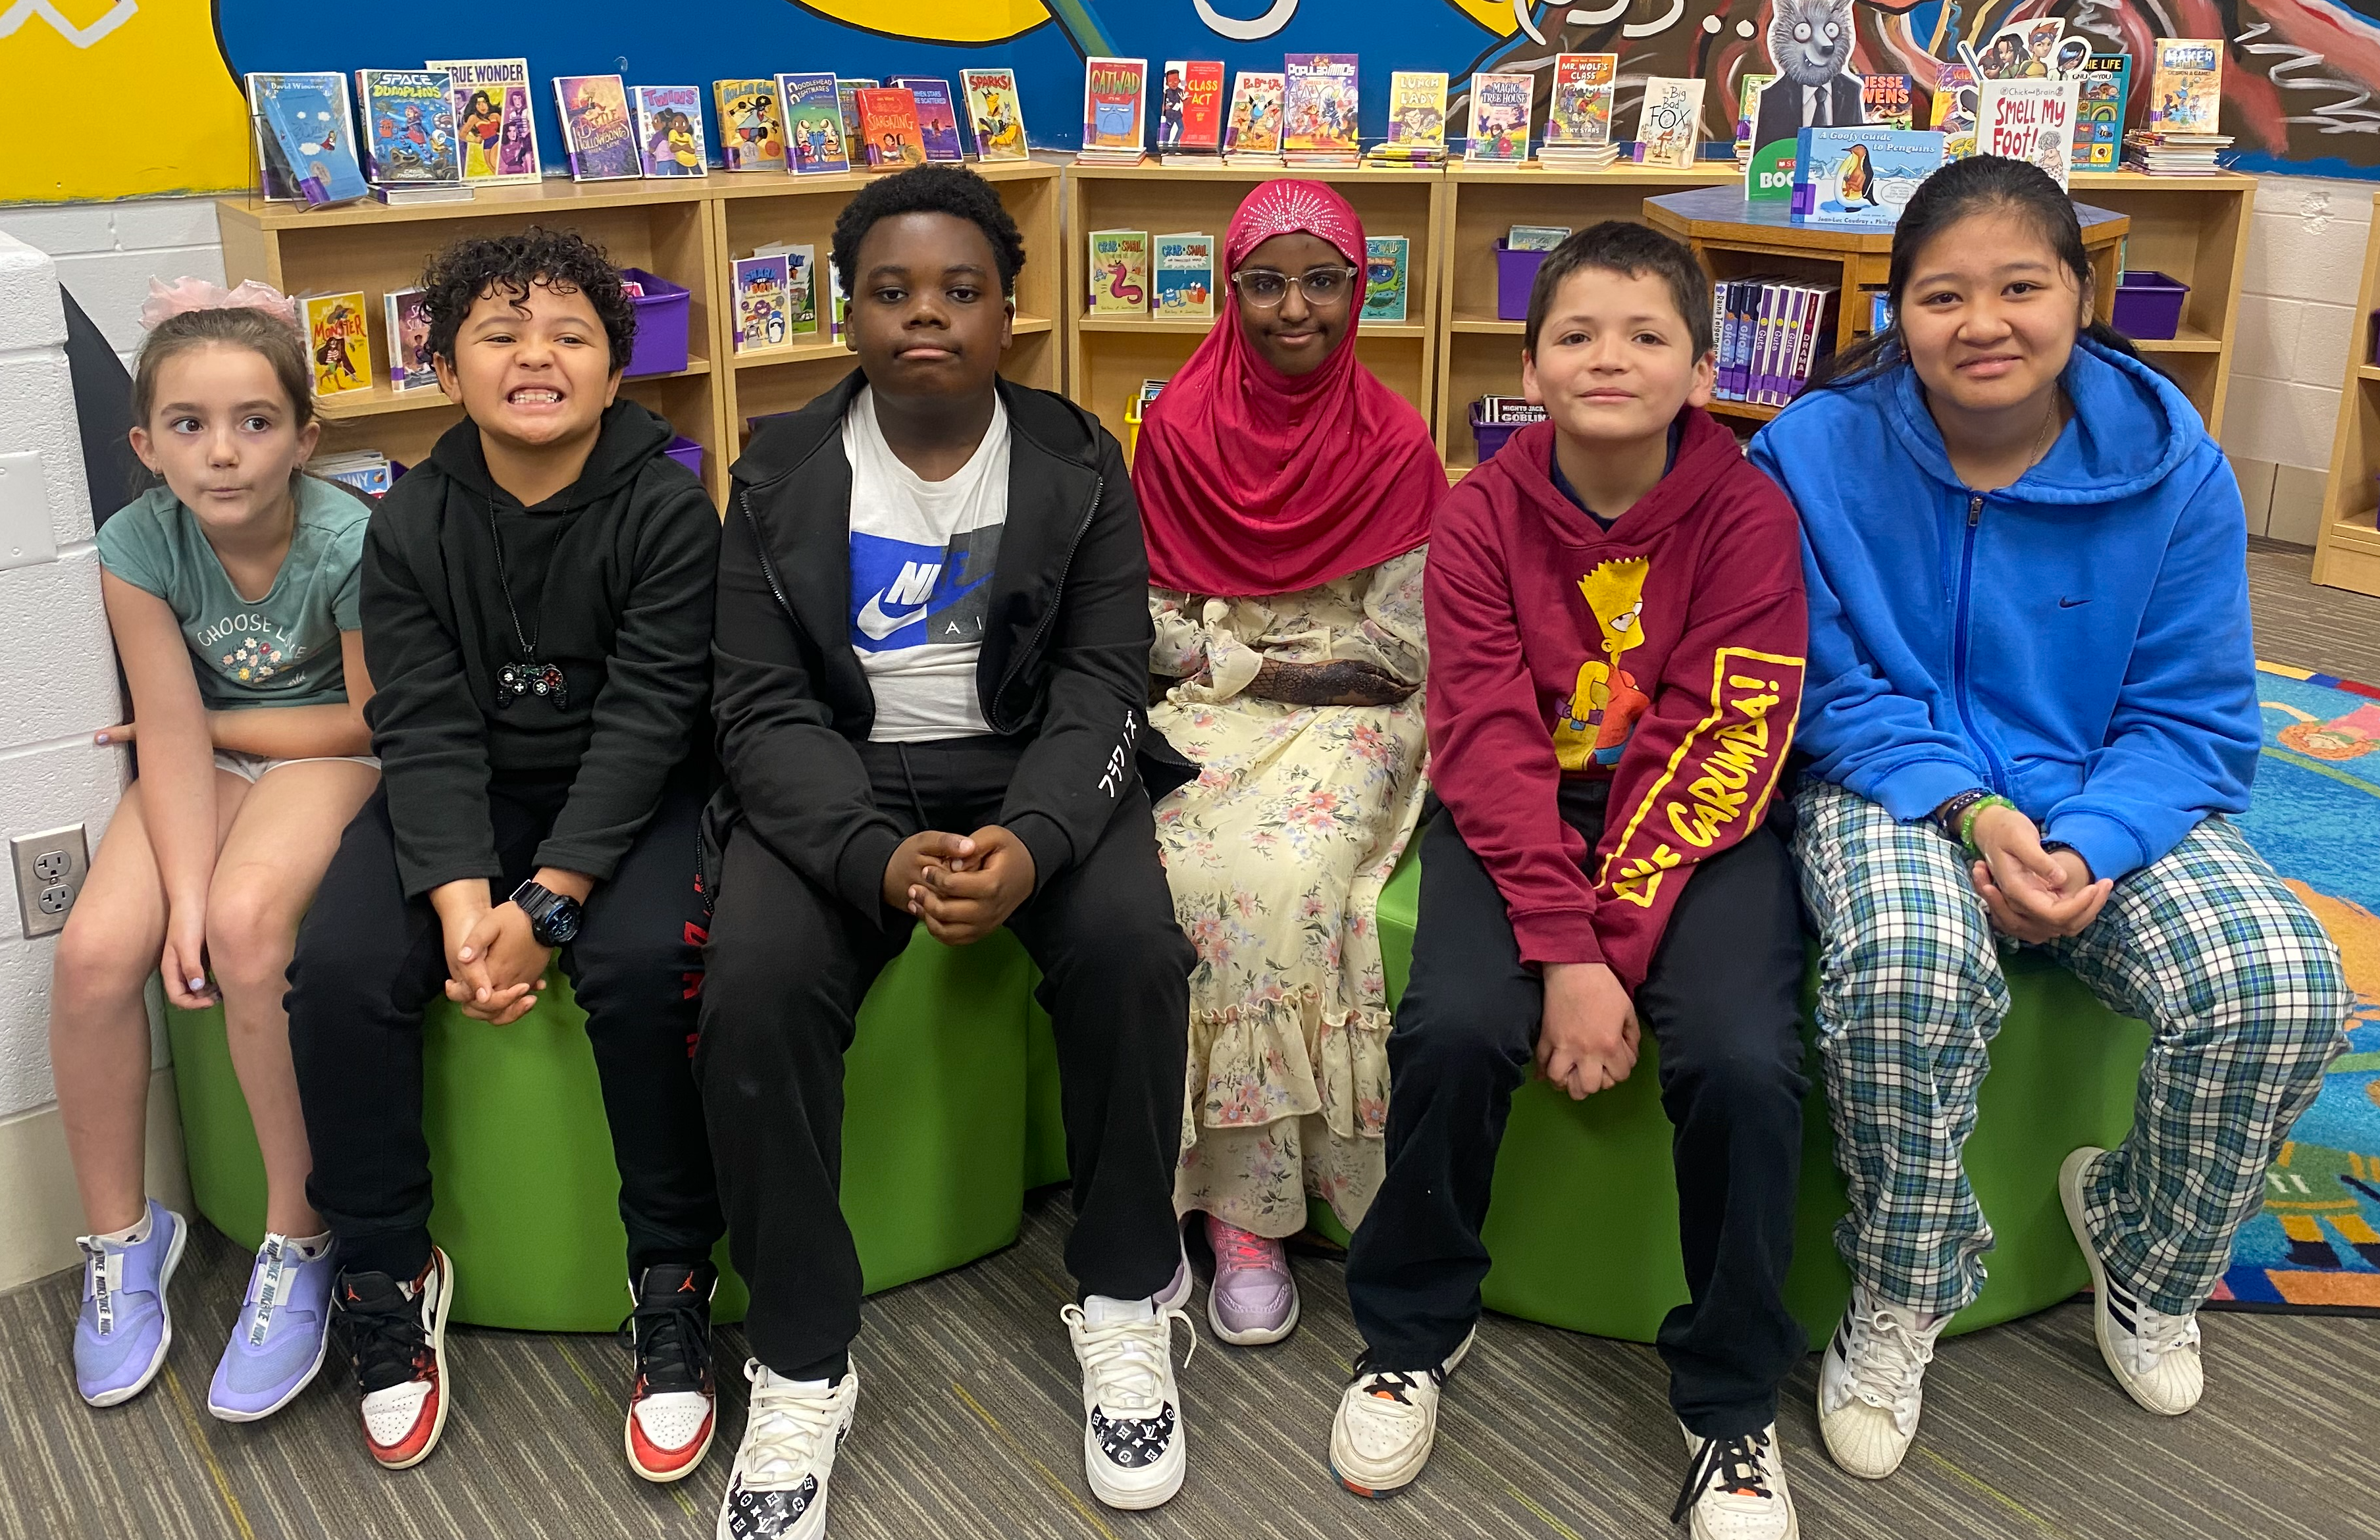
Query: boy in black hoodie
pixel 931 654
pixel 538 597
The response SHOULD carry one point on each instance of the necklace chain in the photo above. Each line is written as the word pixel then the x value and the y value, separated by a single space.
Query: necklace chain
pixel 503 581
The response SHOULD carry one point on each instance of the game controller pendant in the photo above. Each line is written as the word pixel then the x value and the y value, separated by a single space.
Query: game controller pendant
pixel 518 680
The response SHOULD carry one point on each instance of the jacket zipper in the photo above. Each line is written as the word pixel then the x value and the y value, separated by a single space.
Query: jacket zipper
pixel 1962 643
pixel 1091 511
pixel 760 549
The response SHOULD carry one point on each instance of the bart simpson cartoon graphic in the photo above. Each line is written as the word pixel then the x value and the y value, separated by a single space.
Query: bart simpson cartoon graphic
pixel 1606 703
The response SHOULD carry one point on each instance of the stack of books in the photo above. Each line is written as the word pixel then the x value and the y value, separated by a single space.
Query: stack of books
pixel 367 470
pixel 1319 105
pixel 1578 118
pixel 2182 130
pixel 2173 154
pixel 1190 112
pixel 1417 121
pixel 1252 137
pixel 1771 335
pixel 1577 157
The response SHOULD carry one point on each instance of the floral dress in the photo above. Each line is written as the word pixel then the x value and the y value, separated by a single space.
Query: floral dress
pixel 1277 854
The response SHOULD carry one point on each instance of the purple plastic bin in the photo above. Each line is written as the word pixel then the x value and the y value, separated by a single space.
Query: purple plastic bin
pixel 1490 436
pixel 1516 272
pixel 660 347
pixel 686 452
pixel 2148 305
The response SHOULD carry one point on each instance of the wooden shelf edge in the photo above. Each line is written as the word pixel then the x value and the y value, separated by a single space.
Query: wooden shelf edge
pixel 379 401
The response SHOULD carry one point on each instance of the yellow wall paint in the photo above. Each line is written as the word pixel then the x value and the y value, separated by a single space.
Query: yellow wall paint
pixel 116 99
pixel 938 21
pixel 1494 15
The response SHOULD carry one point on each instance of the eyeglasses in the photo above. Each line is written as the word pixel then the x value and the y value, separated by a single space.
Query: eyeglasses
pixel 1264 288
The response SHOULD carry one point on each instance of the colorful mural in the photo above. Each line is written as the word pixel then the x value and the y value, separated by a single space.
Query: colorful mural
pixel 2298 76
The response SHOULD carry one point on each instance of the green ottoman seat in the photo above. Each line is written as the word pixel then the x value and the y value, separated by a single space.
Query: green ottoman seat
pixel 1583 1228
pixel 528 1198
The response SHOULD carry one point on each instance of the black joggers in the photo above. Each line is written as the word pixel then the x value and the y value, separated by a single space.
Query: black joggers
pixel 790 964
pixel 1721 1000
pixel 369 960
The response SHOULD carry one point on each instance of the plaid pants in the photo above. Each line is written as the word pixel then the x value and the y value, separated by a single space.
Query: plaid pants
pixel 2242 990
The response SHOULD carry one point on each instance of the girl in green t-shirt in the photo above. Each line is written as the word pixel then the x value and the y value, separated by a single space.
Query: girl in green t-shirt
pixel 232 595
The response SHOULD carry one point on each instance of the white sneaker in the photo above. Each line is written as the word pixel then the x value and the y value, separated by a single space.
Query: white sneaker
pixel 1133 1443
pixel 1872 1383
pixel 777 1489
pixel 1735 1489
pixel 2154 1355
pixel 1388 1423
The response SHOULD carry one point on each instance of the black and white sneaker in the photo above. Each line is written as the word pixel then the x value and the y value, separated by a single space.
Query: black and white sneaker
pixel 2153 1355
pixel 1135 1447
pixel 1388 1424
pixel 1735 1489
pixel 777 1489
pixel 673 1405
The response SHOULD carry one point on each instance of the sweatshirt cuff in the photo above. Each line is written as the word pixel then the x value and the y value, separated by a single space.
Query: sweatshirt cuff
pixel 421 881
pixel 575 855
pixel 1045 839
pixel 1914 790
pixel 2107 843
pixel 860 871
pixel 1563 935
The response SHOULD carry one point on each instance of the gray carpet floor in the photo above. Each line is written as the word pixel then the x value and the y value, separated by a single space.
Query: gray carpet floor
pixel 970 1422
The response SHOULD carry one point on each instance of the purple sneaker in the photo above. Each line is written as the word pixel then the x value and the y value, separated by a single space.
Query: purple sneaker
pixel 1253 1300
pixel 124 1330
pixel 277 1341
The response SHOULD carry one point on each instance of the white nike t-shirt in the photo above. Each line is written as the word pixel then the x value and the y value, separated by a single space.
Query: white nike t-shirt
pixel 921 559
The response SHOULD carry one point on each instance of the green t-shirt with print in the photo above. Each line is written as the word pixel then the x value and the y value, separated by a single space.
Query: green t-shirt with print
pixel 282 649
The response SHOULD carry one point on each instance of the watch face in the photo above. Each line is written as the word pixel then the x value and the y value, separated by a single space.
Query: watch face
pixel 562 921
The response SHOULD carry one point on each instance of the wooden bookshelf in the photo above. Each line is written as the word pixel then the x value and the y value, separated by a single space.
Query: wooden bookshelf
pixel 1108 356
pixel 688 231
pixel 1478 354
pixel 757 208
pixel 2347 543
pixel 2196 228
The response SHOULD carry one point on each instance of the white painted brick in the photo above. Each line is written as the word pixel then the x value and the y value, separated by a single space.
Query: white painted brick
pixel 31 315
pixel 111 288
pixel 2324 334
pixel 2297 504
pixel 2265 338
pixel 152 221
pixel 69 784
pixel 61 669
pixel 37 402
pixel 64 230
pixel 2286 424
pixel 2304 258
pixel 2315 197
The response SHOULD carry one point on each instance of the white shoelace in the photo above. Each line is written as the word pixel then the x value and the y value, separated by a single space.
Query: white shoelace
pixel 1886 1361
pixel 2160 1334
pixel 782 1436
pixel 1126 1359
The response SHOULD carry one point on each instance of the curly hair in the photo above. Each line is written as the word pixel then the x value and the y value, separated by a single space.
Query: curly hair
pixel 930 190
pixel 564 260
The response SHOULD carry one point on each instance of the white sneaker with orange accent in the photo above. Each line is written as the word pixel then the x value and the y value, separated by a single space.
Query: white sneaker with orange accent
pixel 1388 1424
pixel 395 1337
pixel 673 1403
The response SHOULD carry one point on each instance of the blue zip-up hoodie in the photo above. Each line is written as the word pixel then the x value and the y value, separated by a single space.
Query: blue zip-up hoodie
pixel 2078 641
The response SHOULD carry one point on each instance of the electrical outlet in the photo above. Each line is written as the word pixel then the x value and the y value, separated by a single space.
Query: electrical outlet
pixel 50 870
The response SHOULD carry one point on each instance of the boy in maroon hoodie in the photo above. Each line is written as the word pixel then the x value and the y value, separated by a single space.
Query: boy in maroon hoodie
pixel 1616 627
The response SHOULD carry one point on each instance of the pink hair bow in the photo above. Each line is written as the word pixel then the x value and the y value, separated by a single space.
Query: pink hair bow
pixel 184 295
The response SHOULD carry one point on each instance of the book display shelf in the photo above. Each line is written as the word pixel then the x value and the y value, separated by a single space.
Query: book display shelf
pixel 2347 543
pixel 1478 354
pixel 663 227
pixel 1735 239
pixel 756 209
pixel 2193 229
pixel 1108 356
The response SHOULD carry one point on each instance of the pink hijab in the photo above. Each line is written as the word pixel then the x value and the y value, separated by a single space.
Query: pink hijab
pixel 1251 482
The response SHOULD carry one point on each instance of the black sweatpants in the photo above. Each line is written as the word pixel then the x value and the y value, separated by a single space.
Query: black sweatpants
pixel 790 964
pixel 369 961
pixel 1720 999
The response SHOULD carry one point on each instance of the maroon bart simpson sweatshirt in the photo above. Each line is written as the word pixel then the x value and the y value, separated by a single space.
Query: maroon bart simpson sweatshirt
pixel 1664 655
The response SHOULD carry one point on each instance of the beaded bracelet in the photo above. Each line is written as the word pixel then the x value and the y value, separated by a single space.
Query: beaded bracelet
pixel 1946 818
pixel 1967 821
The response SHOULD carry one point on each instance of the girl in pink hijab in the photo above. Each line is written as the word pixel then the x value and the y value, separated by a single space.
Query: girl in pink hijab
pixel 1286 494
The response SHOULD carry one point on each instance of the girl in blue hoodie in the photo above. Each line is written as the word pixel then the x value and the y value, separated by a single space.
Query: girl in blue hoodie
pixel 2030 708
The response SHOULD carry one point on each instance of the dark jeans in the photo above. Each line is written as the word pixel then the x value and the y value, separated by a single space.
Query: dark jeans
pixel 1720 999
pixel 790 964
pixel 369 960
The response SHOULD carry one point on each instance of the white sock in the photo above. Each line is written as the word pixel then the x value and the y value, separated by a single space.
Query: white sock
pixel 1099 1309
pixel 309 1248
pixel 132 1236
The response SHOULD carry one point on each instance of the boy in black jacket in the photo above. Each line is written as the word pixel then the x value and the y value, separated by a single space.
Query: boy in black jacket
pixel 536 598
pixel 932 656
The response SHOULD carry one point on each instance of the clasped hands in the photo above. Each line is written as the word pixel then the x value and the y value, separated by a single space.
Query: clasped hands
pixel 495 967
pixel 963 887
pixel 2032 894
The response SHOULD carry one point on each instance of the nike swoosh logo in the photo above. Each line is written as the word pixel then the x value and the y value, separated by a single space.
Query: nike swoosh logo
pixel 875 625
pixel 2071 603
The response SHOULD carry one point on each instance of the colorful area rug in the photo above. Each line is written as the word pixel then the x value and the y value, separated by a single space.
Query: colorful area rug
pixel 2315 816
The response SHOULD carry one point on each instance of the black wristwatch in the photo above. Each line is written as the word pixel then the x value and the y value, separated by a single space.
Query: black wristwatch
pixel 553 917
